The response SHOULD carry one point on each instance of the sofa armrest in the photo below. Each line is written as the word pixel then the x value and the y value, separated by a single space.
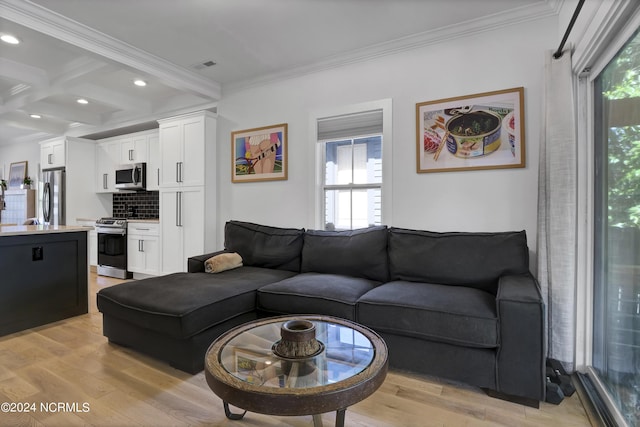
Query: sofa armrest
pixel 522 353
pixel 195 264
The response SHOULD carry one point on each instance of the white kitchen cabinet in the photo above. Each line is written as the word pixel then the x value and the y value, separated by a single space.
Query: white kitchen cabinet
pixel 153 163
pixel 53 153
pixel 93 239
pixel 187 185
pixel 185 142
pixel 107 157
pixel 182 213
pixel 79 159
pixel 139 147
pixel 143 248
pixel 134 149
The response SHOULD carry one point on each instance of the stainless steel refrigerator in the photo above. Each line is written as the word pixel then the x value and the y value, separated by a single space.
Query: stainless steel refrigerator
pixel 53 195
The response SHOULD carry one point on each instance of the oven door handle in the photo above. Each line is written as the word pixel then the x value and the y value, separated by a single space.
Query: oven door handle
pixel 106 230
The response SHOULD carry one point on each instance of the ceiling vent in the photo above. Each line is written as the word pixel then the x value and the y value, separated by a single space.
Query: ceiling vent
pixel 204 64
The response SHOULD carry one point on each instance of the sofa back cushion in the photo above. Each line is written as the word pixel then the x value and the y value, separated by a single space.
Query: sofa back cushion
pixel 356 253
pixel 264 246
pixel 460 258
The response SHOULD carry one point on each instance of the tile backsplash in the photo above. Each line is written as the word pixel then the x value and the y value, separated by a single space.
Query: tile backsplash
pixel 142 204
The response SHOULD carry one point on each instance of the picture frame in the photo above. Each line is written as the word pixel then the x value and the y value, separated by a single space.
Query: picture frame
pixel 17 173
pixel 481 131
pixel 259 154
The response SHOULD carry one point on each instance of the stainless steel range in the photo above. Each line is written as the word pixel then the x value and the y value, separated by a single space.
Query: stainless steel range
pixel 112 247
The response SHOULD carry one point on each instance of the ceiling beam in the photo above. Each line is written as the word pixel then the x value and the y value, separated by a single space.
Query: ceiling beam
pixel 118 100
pixel 37 125
pixel 55 25
pixel 67 114
pixel 27 74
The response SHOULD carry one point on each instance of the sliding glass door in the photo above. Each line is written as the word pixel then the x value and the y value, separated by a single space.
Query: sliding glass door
pixel 616 351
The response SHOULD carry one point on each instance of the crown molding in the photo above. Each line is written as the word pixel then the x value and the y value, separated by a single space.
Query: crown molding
pixel 415 41
pixel 38 18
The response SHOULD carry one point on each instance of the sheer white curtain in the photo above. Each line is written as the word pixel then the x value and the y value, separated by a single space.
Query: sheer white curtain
pixel 557 215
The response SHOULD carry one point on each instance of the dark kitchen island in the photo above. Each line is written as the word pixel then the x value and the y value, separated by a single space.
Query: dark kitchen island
pixel 44 275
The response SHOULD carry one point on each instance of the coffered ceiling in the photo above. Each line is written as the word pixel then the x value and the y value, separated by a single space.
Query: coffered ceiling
pixel 95 49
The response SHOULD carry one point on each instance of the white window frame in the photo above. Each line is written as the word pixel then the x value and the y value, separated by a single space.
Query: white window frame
pixel 316 162
pixel 351 187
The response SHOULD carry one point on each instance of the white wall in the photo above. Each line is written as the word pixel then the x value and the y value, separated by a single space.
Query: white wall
pixel 488 200
pixel 17 153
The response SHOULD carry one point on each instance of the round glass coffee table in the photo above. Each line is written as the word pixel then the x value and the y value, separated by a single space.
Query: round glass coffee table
pixel 242 369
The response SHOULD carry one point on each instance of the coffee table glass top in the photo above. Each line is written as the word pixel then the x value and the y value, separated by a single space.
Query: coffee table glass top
pixel 249 357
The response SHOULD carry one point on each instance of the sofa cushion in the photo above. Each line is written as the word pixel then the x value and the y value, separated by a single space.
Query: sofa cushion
pixel 183 304
pixel 307 293
pixel 468 259
pixel 357 253
pixel 264 246
pixel 451 314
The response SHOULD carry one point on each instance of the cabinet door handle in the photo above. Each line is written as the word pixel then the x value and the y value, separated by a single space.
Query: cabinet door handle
pixel 179 208
pixel 105 181
pixel 140 245
pixel 50 159
pixel 130 154
pixel 158 176
pixel 177 171
pixel 181 172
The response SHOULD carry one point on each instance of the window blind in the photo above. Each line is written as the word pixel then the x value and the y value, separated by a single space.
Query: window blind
pixel 350 125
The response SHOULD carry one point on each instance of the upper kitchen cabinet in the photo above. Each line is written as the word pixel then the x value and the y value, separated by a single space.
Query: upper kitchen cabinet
pixel 134 150
pixel 53 153
pixel 187 143
pixel 139 147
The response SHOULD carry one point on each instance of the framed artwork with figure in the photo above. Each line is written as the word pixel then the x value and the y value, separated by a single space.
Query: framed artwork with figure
pixel 259 154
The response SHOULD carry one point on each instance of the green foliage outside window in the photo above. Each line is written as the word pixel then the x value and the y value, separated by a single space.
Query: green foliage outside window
pixel 622 81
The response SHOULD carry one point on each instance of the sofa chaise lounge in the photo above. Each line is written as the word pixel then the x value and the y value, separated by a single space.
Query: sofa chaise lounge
pixel 461 306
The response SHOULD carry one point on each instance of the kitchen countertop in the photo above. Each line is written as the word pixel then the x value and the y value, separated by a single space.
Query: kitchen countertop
pixel 16 230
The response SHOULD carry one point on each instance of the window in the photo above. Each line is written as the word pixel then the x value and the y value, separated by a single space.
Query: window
pixel 616 349
pixel 351 165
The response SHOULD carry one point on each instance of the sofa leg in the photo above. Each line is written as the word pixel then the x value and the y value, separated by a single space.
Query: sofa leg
pixel 532 403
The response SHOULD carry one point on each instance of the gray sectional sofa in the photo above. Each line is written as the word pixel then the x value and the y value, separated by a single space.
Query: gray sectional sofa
pixel 461 306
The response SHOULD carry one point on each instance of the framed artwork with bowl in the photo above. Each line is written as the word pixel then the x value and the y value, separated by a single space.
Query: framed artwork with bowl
pixel 480 131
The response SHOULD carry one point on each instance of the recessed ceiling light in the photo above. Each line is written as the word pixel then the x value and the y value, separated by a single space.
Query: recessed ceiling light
pixel 140 83
pixel 82 101
pixel 35 116
pixel 8 38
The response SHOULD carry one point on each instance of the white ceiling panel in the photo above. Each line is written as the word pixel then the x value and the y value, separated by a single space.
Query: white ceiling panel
pixel 96 48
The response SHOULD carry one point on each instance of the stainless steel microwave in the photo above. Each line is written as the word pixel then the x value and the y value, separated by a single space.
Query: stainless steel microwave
pixel 131 177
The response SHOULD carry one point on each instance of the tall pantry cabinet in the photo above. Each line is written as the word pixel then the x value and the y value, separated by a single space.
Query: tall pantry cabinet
pixel 187 188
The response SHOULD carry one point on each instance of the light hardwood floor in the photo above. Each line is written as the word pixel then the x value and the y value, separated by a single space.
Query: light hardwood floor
pixel 70 363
